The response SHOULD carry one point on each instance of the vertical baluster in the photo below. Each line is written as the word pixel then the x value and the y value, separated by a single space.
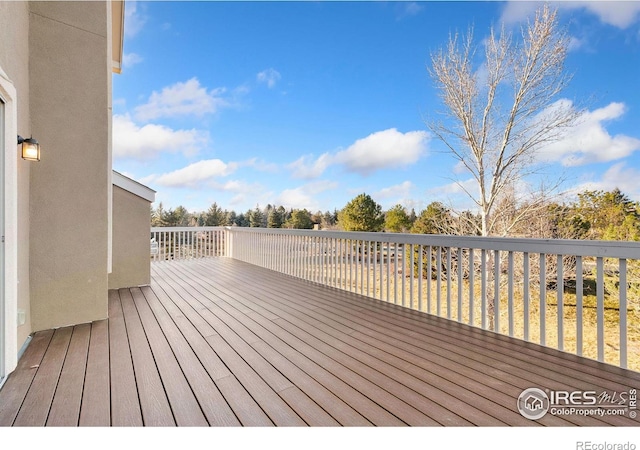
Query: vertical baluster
pixel 356 264
pixel 395 273
pixel 323 260
pixel 472 270
pixel 288 254
pixel 300 256
pixel 543 299
pixel 388 271
pixel 312 258
pixel 560 298
pixel 510 293
pixel 334 244
pixel 368 267
pixel 600 306
pixel 363 259
pixel 320 259
pixel 341 264
pixel 429 279
pixel 438 280
pixel 483 288
pixel 622 268
pixel 449 279
pixel 316 260
pixel 525 293
pixel 496 290
pixel 381 266
pixel 579 294
pixel 411 274
pixel 402 262
pixel 372 249
pixel 420 302
pixel 460 276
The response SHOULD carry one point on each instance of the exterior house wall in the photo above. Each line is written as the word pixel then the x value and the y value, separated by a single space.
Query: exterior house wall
pixel 131 224
pixel 69 104
pixel 14 64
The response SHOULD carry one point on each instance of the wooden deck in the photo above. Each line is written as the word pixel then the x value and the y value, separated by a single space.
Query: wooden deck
pixel 217 342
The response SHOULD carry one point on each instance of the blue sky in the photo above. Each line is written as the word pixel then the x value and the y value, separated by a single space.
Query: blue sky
pixel 308 104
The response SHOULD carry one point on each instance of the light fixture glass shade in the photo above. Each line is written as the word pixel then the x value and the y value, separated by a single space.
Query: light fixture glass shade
pixel 30 150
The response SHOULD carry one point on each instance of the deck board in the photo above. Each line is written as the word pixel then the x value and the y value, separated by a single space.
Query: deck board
pixel 13 393
pixel 37 403
pixel 217 342
pixel 125 405
pixel 96 397
pixel 154 403
pixel 65 409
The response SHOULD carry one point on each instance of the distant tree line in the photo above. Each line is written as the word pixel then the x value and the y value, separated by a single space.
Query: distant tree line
pixel 270 216
pixel 605 215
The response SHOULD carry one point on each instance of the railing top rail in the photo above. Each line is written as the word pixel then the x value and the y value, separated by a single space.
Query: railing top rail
pixel 171 229
pixel 607 249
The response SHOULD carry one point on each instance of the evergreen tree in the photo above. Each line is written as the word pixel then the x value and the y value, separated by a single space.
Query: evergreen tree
pixel 300 219
pixel 396 220
pixel 274 220
pixel 215 217
pixel 256 218
pixel 361 214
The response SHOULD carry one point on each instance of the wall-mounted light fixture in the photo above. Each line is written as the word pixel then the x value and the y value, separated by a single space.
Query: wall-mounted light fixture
pixel 30 148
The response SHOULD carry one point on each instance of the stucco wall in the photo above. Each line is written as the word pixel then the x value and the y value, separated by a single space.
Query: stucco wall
pixel 131 225
pixel 69 91
pixel 14 61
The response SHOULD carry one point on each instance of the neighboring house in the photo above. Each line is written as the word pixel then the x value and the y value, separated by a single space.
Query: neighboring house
pixel 58 215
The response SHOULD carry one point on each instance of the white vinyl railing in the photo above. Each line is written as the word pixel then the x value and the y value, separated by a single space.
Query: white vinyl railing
pixel 187 242
pixel 581 297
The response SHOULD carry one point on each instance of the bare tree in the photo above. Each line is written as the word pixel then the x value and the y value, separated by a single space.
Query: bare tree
pixel 502 111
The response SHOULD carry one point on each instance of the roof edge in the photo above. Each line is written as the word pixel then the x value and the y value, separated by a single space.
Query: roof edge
pixel 133 187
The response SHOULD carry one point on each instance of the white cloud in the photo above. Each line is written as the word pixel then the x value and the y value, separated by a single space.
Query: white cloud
pixel 398 191
pixel 408 9
pixel 576 43
pixel 305 168
pixel 196 174
pixel 383 150
pixel 260 165
pixel 590 142
pixel 296 198
pixel 269 76
pixel 179 99
pixel 617 176
pixel 455 188
pixel 131 59
pixel 620 14
pixel 396 194
pixel 388 149
pixel 134 19
pixel 304 197
pixel 148 141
